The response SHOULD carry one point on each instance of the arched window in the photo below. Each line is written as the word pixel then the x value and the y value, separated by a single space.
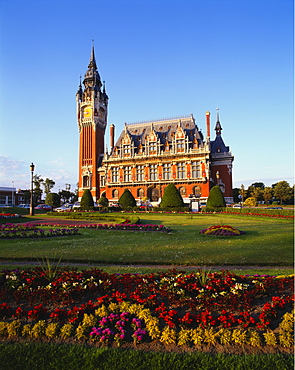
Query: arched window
pixel 182 191
pixel 197 191
pixel 140 193
pixel 155 195
pixel 115 193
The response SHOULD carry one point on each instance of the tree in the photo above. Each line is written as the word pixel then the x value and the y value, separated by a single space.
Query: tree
pixel 243 193
pixel 258 185
pixel 37 179
pixel 215 201
pixel 267 194
pixel 48 184
pixel 53 200
pixel 103 201
pixel 236 192
pixel 256 193
pixel 282 190
pixel 127 200
pixel 171 197
pixel 87 200
pixel 250 202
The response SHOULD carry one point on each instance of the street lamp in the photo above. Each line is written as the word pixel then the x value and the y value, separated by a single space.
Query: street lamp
pixel 32 167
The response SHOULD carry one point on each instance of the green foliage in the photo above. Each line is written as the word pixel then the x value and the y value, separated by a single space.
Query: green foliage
pixel 48 185
pixel 215 200
pixel 53 200
pixel 267 194
pixel 250 202
pixel 171 198
pixel 86 200
pixel 103 201
pixel 127 200
pixel 282 191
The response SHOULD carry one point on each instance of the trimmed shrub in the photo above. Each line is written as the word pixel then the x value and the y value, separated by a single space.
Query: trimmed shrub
pixel 171 197
pixel 215 200
pixel 104 202
pixel 87 200
pixel 127 200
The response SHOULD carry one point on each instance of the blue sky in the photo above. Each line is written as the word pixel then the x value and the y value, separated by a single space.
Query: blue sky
pixel 159 58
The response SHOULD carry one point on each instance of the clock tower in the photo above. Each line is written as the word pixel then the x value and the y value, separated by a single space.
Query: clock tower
pixel 92 110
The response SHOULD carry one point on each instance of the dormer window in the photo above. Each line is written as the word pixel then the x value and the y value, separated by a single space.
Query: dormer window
pixel 126 150
pixel 153 148
pixel 180 145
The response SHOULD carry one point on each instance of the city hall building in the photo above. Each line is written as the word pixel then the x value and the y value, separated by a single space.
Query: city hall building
pixel 147 156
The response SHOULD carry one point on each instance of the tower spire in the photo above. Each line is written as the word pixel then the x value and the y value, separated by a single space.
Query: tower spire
pixel 218 127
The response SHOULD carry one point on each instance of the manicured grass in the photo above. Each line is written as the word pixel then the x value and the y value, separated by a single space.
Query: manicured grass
pixel 266 242
pixel 27 356
pixel 143 269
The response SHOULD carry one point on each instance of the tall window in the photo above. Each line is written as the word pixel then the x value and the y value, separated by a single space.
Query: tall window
pixel 127 173
pixel 115 193
pixel 102 181
pixel 195 170
pixel 181 170
pixel 182 191
pixel 86 181
pixel 115 174
pixel 140 173
pixel 166 171
pixel 153 172
pixel 197 191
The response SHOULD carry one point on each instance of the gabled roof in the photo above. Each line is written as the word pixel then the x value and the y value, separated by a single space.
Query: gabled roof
pixel 161 131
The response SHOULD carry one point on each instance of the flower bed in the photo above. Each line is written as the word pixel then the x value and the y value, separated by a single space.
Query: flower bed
pixel 221 230
pixel 28 230
pixel 9 215
pixel 33 230
pixel 167 307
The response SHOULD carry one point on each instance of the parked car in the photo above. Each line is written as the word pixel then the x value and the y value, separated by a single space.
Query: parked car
pixel 76 205
pixel 43 207
pixel 24 206
pixel 64 208
pixel 237 206
pixel 274 208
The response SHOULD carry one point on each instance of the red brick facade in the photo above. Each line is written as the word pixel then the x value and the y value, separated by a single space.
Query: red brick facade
pixel 147 156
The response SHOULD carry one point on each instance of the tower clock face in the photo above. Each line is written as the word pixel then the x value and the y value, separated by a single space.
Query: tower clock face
pixel 87 112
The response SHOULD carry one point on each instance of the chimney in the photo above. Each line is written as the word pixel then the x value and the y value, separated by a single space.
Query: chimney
pixel 112 136
pixel 208 123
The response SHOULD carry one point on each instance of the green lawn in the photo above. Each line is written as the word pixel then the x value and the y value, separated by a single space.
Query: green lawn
pixel 266 242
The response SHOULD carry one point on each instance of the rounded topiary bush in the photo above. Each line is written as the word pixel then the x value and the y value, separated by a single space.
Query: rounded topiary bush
pixel 171 197
pixel 104 202
pixel 215 200
pixel 87 200
pixel 127 200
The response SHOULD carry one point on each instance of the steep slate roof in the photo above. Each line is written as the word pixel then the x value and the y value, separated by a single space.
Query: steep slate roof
pixel 217 145
pixel 164 131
